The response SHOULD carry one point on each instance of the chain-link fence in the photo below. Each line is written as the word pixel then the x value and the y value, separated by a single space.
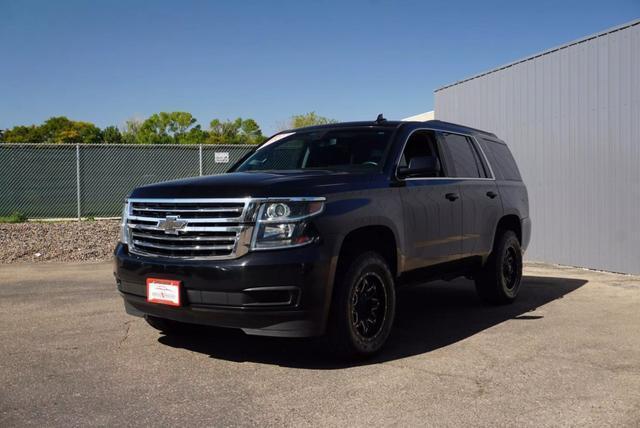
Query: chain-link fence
pixel 64 181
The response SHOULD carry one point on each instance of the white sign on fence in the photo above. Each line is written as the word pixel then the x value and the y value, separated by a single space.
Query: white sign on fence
pixel 222 157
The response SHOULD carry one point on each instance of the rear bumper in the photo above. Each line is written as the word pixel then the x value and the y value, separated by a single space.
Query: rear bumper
pixel 273 293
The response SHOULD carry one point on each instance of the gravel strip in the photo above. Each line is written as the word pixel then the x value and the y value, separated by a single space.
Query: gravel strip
pixel 65 241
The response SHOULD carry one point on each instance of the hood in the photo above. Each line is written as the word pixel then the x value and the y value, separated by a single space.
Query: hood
pixel 258 184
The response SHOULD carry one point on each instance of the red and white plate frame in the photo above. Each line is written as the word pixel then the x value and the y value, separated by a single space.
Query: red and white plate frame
pixel 168 283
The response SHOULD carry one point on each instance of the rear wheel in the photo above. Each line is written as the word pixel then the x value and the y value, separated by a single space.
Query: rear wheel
pixel 499 280
pixel 168 327
pixel 363 307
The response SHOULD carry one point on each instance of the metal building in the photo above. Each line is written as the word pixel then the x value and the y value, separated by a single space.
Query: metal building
pixel 571 116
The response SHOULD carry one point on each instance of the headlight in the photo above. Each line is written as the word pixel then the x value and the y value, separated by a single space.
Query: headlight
pixel 124 229
pixel 284 223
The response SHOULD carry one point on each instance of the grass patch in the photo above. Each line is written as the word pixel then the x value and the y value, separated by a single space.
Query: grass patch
pixel 15 217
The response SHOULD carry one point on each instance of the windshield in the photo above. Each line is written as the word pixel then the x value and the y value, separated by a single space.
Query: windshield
pixel 340 149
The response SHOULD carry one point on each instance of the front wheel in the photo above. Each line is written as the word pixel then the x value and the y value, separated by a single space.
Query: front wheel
pixel 499 280
pixel 363 307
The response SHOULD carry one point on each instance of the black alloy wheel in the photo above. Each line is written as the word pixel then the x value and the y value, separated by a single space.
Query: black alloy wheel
pixel 368 305
pixel 509 268
pixel 362 308
pixel 498 281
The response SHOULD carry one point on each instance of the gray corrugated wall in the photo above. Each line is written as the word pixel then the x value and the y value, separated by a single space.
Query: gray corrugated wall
pixel 572 119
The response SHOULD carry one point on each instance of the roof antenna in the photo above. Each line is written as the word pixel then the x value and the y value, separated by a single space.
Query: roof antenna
pixel 380 118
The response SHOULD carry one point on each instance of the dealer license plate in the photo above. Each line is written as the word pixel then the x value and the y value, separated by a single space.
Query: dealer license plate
pixel 163 291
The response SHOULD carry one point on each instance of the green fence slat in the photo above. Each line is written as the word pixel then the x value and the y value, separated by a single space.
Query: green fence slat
pixel 39 181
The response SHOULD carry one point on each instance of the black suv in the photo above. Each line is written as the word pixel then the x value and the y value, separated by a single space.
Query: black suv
pixel 312 232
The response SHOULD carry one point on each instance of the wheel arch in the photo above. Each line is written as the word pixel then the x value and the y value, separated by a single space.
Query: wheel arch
pixel 375 237
pixel 508 222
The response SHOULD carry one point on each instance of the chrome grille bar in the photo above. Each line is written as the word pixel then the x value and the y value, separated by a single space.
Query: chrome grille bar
pixel 183 248
pixel 137 234
pixel 190 220
pixel 190 228
pixel 192 210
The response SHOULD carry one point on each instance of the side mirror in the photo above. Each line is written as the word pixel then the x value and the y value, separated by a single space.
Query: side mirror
pixel 427 166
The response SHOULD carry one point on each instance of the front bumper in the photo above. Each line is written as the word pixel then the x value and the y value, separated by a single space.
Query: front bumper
pixel 273 293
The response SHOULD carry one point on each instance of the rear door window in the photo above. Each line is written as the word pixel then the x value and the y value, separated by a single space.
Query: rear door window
pixel 464 156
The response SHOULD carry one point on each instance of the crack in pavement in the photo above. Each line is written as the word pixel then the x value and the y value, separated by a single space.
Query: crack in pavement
pixel 127 325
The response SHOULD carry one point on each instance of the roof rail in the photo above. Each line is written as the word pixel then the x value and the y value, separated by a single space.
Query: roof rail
pixel 491 134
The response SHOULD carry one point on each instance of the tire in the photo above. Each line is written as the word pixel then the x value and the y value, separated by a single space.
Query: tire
pixel 169 327
pixel 498 282
pixel 363 308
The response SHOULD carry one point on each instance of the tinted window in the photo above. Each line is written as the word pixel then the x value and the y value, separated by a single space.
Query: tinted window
pixel 464 157
pixel 502 162
pixel 325 149
pixel 421 143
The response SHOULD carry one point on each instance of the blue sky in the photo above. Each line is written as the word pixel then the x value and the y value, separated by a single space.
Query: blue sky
pixel 107 61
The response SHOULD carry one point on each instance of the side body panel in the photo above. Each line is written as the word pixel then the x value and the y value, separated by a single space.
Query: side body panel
pixel 481 213
pixel 513 191
pixel 481 201
pixel 432 223
pixel 516 202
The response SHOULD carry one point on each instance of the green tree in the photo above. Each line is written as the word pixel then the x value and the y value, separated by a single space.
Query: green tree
pixel 195 135
pixel 224 132
pixel 23 134
pixel 66 136
pixel 131 130
pixel 111 135
pixel 238 131
pixel 61 130
pixel 252 132
pixel 89 133
pixel 308 119
pixel 166 128
pixel 161 128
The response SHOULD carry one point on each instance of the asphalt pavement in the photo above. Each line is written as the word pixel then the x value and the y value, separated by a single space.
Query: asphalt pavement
pixel 566 353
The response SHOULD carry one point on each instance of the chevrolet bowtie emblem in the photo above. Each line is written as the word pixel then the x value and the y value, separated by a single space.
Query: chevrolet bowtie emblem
pixel 171 224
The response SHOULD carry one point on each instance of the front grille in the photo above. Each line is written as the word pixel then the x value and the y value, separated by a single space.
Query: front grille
pixel 190 228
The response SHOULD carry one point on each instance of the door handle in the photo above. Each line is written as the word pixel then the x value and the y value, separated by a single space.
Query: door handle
pixel 452 196
pixel 492 194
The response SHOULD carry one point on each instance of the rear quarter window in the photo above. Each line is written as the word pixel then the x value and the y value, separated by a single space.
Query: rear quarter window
pixel 502 161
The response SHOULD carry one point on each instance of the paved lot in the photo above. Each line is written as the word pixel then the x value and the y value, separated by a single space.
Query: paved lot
pixel 568 353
